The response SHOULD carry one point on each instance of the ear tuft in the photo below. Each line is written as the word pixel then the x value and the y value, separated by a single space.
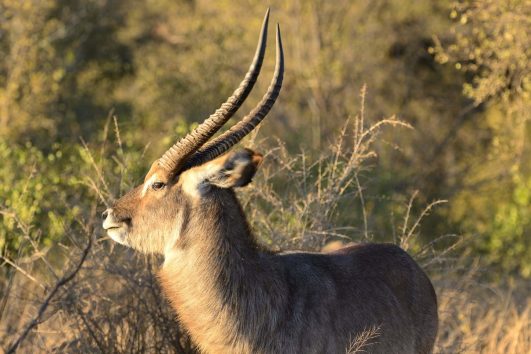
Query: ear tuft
pixel 257 159
pixel 238 169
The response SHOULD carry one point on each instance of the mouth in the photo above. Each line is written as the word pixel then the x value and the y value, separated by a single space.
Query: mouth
pixel 118 234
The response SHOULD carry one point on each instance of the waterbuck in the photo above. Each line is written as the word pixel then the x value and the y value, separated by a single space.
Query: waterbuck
pixel 232 295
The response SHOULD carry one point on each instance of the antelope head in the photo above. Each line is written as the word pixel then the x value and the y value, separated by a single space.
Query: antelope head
pixel 149 217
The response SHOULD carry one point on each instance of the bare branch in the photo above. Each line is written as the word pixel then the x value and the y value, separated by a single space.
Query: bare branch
pixel 38 318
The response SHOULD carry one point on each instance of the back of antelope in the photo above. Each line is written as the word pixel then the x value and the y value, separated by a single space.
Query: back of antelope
pixel 232 295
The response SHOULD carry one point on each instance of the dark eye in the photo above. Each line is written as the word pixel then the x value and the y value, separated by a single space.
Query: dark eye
pixel 158 186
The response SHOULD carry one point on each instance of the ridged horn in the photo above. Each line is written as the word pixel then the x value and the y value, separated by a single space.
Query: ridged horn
pixel 176 155
pixel 231 137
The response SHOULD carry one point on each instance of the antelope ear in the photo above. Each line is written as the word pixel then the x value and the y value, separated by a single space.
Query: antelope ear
pixel 236 169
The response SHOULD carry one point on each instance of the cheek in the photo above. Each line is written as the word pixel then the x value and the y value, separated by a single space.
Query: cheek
pixel 154 217
pixel 154 225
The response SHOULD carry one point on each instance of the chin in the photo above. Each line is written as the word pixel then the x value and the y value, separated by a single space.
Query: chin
pixel 118 235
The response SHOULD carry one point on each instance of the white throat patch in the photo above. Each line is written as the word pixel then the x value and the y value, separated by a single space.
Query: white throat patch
pixel 193 179
pixel 169 248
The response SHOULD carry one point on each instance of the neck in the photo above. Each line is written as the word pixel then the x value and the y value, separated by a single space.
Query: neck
pixel 221 285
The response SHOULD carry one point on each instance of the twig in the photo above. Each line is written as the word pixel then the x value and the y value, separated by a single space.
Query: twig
pixel 38 318
pixel 21 271
pixel 95 166
pixel 363 340
pixel 419 219
pixel 363 209
pixel 118 137
pixel 408 212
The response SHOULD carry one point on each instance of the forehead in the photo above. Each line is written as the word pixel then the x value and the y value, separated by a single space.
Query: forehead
pixel 155 169
pixel 130 198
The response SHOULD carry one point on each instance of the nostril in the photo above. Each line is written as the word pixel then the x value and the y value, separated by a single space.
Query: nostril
pixel 105 214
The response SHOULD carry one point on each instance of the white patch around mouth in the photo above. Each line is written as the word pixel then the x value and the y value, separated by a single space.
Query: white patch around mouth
pixel 118 234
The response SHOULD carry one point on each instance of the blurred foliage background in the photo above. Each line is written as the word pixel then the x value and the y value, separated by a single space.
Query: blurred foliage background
pixel 91 91
pixel 458 72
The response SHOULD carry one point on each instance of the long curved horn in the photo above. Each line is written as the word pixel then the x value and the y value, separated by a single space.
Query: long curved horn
pixel 225 141
pixel 175 156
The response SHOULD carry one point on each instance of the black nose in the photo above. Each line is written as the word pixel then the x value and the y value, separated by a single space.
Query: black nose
pixel 104 214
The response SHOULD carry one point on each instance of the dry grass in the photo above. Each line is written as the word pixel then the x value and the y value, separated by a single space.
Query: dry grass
pixel 112 303
pixel 362 341
pixel 477 317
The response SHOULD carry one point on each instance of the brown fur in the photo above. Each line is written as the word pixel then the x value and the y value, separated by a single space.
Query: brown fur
pixel 235 297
